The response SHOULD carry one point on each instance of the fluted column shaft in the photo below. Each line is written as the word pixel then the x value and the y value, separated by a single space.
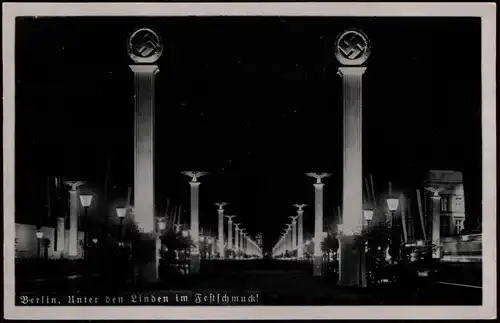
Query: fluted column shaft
pixel 318 218
pixel 74 210
pixel 352 201
pixel 144 203
pixel 300 242
pixel 221 233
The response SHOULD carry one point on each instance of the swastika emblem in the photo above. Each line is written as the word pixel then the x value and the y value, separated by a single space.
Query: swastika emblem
pixel 144 46
pixel 352 47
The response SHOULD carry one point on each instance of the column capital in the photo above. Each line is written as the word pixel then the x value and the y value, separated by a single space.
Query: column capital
pixel 351 70
pixel 144 68
pixel 194 184
pixel 318 186
pixel 74 185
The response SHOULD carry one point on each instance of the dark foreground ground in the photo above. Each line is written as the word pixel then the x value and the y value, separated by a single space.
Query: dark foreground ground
pixel 292 283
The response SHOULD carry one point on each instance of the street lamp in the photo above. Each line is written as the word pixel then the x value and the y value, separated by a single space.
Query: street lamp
pixel 185 233
pixel 393 203
pixel 95 240
pixel 368 213
pixel 121 212
pixel 39 236
pixel 86 200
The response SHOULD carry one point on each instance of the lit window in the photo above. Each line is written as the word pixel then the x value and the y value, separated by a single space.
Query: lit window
pixel 444 204
pixel 459 225
pixel 458 204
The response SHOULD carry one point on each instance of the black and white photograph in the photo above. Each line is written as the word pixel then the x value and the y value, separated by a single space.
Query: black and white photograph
pixel 249 160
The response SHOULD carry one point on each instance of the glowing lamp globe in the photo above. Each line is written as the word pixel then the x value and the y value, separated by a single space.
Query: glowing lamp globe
pixel 392 203
pixel 368 215
pixel 95 240
pixel 39 234
pixel 162 225
pixel 86 200
pixel 210 240
pixel 121 212
pixel 308 242
pixel 185 233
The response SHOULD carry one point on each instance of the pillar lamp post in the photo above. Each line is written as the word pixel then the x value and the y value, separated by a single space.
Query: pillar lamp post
pixel 230 232
pixel 294 232
pixel 392 204
pixel 300 237
pixel 220 210
pixel 121 212
pixel 195 224
pixel 86 200
pixel 74 208
pixel 39 237
pixel 145 47
pixel 368 215
pixel 236 239
pixel 436 221
pixel 352 49
pixel 318 221
pixel 242 242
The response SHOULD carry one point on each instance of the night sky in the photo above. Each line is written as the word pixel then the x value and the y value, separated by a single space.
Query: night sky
pixel 256 102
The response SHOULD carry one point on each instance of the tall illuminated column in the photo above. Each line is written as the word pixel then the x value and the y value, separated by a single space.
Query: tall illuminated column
pixel 220 210
pixel 230 231
pixel 145 48
pixel 236 239
pixel 241 247
pixel 352 49
pixel 300 233
pixel 61 233
pixel 294 232
pixel 318 221
pixel 436 221
pixel 195 219
pixel 74 210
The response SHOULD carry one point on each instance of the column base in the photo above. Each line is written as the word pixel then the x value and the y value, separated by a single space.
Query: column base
pixel 195 264
pixel 351 266
pixel 317 266
pixel 147 267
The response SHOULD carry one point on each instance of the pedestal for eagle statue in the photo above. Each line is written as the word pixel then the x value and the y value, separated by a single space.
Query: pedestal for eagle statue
pixel 352 49
pixel 145 48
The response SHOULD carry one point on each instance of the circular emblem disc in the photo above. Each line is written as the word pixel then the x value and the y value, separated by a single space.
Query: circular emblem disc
pixel 352 47
pixel 144 46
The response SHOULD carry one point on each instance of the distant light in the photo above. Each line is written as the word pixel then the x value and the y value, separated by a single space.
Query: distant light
pixel 86 200
pixel 121 212
pixel 95 240
pixel 393 203
pixel 185 233
pixel 39 234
